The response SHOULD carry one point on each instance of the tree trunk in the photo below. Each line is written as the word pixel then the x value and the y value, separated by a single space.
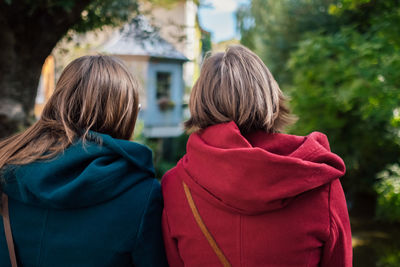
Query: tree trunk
pixel 27 36
pixel 18 92
pixel 19 76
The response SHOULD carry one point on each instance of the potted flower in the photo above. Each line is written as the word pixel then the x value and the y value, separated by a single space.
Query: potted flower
pixel 165 103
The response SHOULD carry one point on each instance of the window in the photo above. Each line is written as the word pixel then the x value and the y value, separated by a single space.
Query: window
pixel 163 85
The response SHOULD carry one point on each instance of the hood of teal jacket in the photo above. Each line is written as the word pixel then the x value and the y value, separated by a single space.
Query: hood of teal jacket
pixel 85 174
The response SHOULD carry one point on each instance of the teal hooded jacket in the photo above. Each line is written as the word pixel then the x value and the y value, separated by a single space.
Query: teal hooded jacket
pixel 95 204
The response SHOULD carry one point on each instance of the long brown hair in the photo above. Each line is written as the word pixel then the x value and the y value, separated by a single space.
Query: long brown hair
pixel 94 93
pixel 237 86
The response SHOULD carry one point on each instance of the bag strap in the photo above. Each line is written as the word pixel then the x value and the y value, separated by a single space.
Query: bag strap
pixel 203 227
pixel 7 230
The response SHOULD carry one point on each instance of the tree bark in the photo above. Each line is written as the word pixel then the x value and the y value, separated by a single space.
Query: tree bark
pixel 27 36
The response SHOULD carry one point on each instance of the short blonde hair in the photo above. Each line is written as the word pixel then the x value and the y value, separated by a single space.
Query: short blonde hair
pixel 235 85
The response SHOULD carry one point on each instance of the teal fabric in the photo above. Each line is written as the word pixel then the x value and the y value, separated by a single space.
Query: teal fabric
pixel 95 204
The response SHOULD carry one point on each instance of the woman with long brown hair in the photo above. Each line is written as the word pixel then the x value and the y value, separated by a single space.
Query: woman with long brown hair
pixel 245 194
pixel 75 190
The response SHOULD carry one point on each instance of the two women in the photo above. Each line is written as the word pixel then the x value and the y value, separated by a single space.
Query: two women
pixel 81 194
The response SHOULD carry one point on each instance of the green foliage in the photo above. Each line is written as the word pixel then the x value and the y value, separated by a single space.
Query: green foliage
pixel 164 3
pixel 390 259
pixel 388 189
pixel 100 13
pixel 246 26
pixel 166 152
pixel 339 61
pixel 346 85
pixel 169 152
pixel 97 13
pixel 206 44
pixel 31 8
pixel 162 167
pixel 273 28
pixel 364 14
pixel 343 5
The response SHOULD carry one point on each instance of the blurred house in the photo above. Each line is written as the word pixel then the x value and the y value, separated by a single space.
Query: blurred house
pixel 163 50
pixel 159 67
pixel 178 24
pixel 46 85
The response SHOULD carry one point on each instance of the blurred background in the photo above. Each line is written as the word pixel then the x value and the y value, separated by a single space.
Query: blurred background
pixel 338 60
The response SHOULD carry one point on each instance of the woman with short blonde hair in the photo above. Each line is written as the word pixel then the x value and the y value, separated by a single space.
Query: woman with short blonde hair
pixel 246 194
pixel 237 86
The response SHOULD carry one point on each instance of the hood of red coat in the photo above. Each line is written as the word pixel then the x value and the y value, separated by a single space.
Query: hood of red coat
pixel 259 172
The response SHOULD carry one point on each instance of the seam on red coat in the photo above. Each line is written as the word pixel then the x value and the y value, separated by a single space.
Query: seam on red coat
pixel 309 257
pixel 215 200
pixel 167 222
pixel 311 154
pixel 241 254
pixel 329 211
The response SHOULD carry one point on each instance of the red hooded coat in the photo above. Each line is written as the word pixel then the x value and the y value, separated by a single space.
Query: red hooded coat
pixel 267 199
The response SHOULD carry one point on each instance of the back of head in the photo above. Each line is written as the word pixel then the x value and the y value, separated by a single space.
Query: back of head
pixel 237 86
pixel 94 93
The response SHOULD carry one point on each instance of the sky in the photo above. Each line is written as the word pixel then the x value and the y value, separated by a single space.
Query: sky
pixel 218 17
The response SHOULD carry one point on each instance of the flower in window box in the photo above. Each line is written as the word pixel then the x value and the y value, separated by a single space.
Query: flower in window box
pixel 165 103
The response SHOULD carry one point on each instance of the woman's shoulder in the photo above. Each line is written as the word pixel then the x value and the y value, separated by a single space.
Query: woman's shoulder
pixel 171 182
pixel 145 190
pixel 172 175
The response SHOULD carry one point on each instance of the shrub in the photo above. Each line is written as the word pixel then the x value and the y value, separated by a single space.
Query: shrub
pixel 388 190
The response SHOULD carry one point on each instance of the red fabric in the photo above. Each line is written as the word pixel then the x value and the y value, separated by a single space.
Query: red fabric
pixel 267 199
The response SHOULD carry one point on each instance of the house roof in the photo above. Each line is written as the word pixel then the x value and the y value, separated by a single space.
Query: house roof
pixel 140 38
